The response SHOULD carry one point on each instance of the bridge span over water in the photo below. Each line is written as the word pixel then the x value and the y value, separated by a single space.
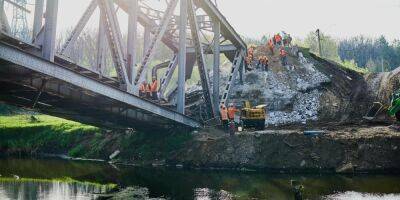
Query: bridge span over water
pixel 36 74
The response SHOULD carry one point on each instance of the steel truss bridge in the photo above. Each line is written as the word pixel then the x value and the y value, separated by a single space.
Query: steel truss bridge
pixel 34 74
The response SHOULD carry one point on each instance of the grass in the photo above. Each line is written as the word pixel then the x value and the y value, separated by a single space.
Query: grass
pixel 28 133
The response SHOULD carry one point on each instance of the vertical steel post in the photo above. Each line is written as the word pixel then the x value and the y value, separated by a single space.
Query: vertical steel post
pixel 132 39
pixel 50 27
pixel 182 56
pixel 217 52
pixel 101 45
pixel 146 39
pixel 38 18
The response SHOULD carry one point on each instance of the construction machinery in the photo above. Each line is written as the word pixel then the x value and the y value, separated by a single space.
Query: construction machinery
pixel 253 116
pixel 394 109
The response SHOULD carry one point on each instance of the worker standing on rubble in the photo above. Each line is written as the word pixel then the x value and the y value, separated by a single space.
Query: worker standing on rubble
pixel 231 115
pixel 265 63
pixel 283 55
pixel 224 116
pixel 271 46
pixel 153 89
pixel 142 89
pixel 278 39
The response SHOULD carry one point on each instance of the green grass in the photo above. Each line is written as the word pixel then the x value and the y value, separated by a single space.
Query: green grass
pixel 24 133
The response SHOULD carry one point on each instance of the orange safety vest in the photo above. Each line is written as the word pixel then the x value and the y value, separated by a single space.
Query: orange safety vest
pixel 224 114
pixel 278 38
pixel 153 86
pixel 231 112
pixel 270 43
pixel 283 52
pixel 142 88
pixel 148 88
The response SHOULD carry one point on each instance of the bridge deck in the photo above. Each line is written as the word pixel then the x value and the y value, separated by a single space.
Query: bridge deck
pixel 75 92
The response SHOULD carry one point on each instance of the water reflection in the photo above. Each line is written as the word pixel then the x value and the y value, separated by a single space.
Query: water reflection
pixel 184 184
pixel 362 196
pixel 47 190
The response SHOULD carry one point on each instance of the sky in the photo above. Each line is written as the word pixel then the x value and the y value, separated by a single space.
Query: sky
pixel 255 18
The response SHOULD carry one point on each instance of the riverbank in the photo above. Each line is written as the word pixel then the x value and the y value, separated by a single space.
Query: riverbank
pixel 336 149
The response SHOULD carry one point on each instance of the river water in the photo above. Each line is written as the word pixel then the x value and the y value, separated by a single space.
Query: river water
pixel 53 179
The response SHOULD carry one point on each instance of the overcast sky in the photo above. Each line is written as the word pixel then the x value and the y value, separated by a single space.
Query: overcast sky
pixel 254 18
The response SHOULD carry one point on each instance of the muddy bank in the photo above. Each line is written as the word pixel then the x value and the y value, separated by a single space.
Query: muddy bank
pixel 349 149
pixel 341 149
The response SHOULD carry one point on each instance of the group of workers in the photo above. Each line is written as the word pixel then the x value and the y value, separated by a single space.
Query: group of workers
pixel 149 90
pixel 228 117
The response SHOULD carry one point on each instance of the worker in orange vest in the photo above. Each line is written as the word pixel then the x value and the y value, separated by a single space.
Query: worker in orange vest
pixel 283 54
pixel 231 112
pixel 271 46
pixel 154 89
pixel 142 89
pixel 278 39
pixel 224 116
pixel 148 91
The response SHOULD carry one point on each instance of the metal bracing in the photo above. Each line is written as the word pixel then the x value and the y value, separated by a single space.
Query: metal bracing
pixel 39 65
pixel 146 39
pixel 158 35
pixel 4 26
pixel 237 63
pixel 200 59
pixel 101 45
pixel 168 75
pixel 78 28
pixel 50 26
pixel 38 18
pixel 217 51
pixel 114 42
pixel 182 57
pixel 132 39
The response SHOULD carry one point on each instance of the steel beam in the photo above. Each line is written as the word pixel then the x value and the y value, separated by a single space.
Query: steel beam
pixel 66 48
pixel 50 27
pixel 200 60
pixel 168 75
pixel 38 18
pixel 146 39
pixel 132 39
pixel 101 45
pixel 237 63
pixel 217 52
pixel 142 71
pixel 5 26
pixel 114 41
pixel 37 64
pixel 182 56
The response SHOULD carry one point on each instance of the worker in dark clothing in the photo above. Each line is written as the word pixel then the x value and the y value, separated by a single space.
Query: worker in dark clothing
pixel 283 54
pixel 271 46
pixel 265 63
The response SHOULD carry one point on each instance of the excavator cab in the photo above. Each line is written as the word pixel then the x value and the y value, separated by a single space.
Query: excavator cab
pixel 253 116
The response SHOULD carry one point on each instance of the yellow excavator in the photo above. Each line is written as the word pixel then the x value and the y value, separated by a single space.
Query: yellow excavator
pixel 253 116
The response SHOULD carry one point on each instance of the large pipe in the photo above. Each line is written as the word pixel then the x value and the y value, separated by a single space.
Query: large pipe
pixel 182 56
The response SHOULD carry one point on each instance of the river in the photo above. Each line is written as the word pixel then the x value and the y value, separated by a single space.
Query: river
pixel 50 179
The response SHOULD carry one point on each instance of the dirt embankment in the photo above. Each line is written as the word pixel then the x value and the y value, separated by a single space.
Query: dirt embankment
pixel 350 149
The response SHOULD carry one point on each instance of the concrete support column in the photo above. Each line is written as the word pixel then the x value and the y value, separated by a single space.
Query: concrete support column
pixel 38 18
pixel 182 56
pixel 216 75
pixel 50 27
pixel 132 39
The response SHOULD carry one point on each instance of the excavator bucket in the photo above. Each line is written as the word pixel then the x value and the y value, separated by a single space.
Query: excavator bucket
pixel 375 109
